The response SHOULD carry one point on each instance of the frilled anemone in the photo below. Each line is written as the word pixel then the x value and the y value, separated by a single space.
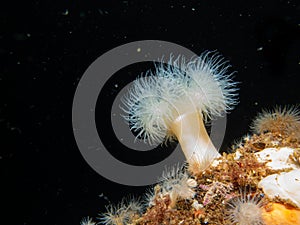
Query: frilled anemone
pixel 176 100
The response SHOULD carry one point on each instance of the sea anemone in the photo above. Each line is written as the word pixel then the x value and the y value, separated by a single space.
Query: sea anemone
pixel 245 210
pixel 149 197
pixel 87 221
pixel 176 183
pixel 122 213
pixel 172 102
pixel 284 120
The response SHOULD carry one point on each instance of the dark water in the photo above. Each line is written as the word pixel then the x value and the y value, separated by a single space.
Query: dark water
pixel 45 48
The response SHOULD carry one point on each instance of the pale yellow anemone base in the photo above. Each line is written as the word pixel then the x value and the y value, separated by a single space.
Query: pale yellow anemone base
pixel 193 138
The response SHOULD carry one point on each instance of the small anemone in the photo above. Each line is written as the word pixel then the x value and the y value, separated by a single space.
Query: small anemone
pixel 177 183
pixel 149 198
pixel 122 213
pixel 284 120
pixel 245 210
pixel 87 221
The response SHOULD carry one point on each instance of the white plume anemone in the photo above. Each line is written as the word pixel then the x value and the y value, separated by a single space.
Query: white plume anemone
pixel 172 102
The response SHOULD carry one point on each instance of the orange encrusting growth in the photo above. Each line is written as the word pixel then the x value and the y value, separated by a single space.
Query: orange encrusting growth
pixel 278 214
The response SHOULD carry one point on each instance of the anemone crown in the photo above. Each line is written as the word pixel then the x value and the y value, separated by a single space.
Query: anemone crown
pixel 156 99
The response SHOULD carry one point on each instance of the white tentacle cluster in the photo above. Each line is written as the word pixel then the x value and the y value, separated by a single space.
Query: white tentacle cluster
pixel 156 99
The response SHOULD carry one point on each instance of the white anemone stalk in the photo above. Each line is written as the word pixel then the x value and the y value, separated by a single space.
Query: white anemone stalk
pixel 174 102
